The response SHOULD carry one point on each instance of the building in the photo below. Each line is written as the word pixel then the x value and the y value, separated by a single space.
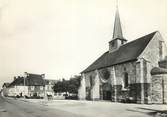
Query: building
pixel 128 71
pixel 31 85
pixel 49 86
pixel 35 84
pixel 4 90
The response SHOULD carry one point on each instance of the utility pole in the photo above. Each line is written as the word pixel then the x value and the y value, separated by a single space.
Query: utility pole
pixel 43 76
pixel 25 75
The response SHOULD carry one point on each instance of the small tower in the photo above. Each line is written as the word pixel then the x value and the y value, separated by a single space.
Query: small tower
pixel 118 38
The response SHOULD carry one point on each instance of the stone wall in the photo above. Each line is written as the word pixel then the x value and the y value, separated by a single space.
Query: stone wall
pixel 116 80
pixel 89 84
pixel 118 92
pixel 150 56
pixel 130 69
pixel 139 90
pixel 159 89
pixel 152 52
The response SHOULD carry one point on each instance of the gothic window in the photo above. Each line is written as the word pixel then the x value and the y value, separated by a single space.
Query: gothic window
pixel 91 81
pixel 105 74
pixel 126 79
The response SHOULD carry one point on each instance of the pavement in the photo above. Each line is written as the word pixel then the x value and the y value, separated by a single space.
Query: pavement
pixel 18 108
pixel 10 107
pixel 104 108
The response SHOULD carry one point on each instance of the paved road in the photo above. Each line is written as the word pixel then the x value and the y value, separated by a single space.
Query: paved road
pixel 17 108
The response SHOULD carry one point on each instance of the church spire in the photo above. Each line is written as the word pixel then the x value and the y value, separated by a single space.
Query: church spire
pixel 117 32
pixel 118 39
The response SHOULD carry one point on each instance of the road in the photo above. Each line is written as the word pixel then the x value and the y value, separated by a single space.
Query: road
pixel 17 108
pixel 73 108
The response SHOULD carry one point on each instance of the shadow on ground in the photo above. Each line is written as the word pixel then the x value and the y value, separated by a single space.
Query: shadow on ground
pixel 151 112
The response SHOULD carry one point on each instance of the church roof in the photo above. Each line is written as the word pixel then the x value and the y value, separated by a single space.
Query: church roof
pixel 125 53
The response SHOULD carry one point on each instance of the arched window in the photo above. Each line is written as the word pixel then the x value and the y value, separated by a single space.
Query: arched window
pixel 126 79
pixel 91 81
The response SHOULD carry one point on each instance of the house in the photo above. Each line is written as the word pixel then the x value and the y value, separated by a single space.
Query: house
pixel 30 85
pixel 133 71
pixel 17 88
pixel 49 86
pixel 4 88
pixel 35 84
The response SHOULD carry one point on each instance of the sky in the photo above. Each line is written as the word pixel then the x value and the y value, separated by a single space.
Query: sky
pixel 62 37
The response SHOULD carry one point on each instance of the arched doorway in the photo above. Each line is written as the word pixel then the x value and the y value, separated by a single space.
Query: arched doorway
pixel 105 91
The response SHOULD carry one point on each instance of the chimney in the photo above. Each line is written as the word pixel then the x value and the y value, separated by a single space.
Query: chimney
pixel 15 78
pixel 43 76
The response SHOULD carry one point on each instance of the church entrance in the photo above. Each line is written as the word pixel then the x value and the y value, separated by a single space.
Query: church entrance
pixel 106 95
pixel 105 91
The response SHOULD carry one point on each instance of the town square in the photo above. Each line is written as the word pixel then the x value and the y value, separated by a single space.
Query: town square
pixel 76 58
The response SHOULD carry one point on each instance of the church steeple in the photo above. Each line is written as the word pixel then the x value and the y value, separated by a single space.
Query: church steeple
pixel 117 32
pixel 117 39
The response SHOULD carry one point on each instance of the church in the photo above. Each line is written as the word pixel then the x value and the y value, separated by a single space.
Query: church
pixel 134 72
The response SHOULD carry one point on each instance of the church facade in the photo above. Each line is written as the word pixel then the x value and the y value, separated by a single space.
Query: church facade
pixel 133 71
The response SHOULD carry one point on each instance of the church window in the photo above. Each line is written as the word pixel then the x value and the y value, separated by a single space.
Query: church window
pixel 105 74
pixel 122 42
pixel 126 79
pixel 124 68
pixel 91 81
pixel 113 43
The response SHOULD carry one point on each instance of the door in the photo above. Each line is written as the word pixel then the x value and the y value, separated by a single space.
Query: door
pixel 106 95
pixel 106 91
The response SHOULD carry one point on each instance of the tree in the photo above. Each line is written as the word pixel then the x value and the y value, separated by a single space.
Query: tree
pixel 70 86
pixel 74 84
pixel 58 87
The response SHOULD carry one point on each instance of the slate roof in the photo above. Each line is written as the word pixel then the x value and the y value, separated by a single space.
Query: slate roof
pixel 30 80
pixel 50 82
pixel 158 70
pixel 18 81
pixel 35 80
pixel 6 84
pixel 127 52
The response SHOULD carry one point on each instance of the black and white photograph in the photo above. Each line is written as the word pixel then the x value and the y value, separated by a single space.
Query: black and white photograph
pixel 83 58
